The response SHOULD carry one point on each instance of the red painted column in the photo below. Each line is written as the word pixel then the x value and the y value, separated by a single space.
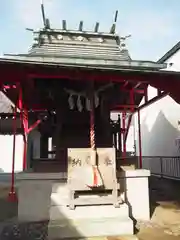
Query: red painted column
pixel 12 193
pixel 132 100
pixel 119 135
pixel 146 95
pixel 124 134
pixel 27 130
pixel 25 126
pixel 139 133
pixel 24 152
pixel 24 123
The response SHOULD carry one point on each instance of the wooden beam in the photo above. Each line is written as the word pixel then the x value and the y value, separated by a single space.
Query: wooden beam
pixel 151 101
pixel 137 85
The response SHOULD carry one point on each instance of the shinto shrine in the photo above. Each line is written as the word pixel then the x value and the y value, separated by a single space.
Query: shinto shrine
pixel 75 160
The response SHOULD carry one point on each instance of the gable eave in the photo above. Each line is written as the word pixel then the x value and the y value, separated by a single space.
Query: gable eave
pixel 170 53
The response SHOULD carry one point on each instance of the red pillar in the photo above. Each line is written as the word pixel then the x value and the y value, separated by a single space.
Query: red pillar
pixel 24 152
pixel 140 146
pixel 25 127
pixel 24 123
pixel 124 134
pixel 132 100
pixel 12 193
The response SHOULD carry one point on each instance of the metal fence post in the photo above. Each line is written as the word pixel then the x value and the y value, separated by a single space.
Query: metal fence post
pixel 161 166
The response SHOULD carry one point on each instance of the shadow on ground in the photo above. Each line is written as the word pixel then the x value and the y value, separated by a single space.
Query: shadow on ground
pixel 164 193
pixel 165 211
pixel 8 209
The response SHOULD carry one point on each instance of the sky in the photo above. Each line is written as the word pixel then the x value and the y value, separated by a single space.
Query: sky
pixel 154 25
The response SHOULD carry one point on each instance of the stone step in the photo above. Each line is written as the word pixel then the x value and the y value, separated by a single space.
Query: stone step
pixel 121 237
pixel 94 212
pixel 84 228
pixel 58 199
pixel 101 200
pixel 63 188
pixel 96 199
pixel 60 187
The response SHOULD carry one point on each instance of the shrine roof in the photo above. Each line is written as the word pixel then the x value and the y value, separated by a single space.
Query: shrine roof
pixel 85 55
pixel 86 62
pixel 74 47
pixel 80 49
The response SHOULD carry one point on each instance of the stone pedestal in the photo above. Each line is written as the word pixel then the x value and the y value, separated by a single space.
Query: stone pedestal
pixel 34 195
pixel 44 196
pixel 136 192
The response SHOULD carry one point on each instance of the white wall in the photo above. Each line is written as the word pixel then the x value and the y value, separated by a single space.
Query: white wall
pixel 159 122
pixel 6 149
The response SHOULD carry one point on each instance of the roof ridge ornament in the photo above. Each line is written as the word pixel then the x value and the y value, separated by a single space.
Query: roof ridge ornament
pixel 81 26
pixel 64 25
pixel 43 13
pixel 96 29
pixel 123 42
pixel 46 21
pixel 113 27
pixel 125 37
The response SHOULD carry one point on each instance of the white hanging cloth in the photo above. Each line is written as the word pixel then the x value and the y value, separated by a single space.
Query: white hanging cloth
pixel 71 102
pixel 79 104
pixel 96 100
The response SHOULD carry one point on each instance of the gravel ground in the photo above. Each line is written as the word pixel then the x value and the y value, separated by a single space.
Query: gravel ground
pixel 10 229
pixel 25 231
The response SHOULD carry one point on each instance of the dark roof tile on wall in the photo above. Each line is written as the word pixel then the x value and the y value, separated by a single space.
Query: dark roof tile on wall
pixel 171 52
